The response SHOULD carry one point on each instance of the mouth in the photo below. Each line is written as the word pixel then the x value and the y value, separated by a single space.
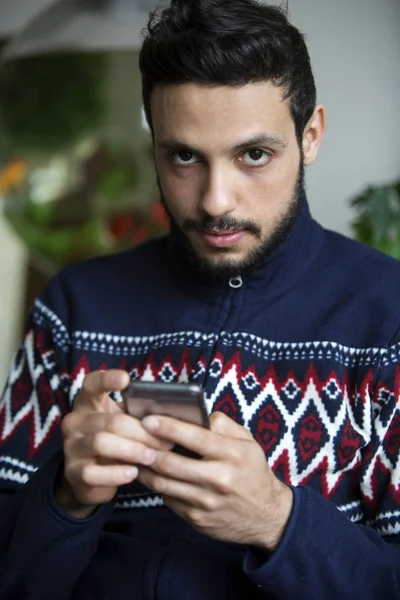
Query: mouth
pixel 222 239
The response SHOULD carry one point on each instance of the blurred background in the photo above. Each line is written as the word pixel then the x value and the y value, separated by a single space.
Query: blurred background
pixel 76 174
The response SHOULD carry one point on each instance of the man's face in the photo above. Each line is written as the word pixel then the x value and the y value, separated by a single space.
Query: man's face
pixel 230 170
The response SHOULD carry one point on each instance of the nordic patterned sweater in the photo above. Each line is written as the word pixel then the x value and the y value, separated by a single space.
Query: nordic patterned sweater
pixel 304 352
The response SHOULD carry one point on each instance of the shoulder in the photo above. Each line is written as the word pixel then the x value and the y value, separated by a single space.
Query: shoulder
pixel 364 285
pixel 362 262
pixel 143 259
pixel 105 283
pixel 116 274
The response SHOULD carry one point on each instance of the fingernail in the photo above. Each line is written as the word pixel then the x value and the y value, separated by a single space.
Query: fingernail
pixel 131 473
pixel 151 423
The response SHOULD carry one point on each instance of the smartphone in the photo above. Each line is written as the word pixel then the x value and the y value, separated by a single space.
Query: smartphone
pixel 183 401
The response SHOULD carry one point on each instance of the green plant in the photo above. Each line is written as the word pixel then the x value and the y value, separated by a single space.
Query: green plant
pixel 48 103
pixel 377 220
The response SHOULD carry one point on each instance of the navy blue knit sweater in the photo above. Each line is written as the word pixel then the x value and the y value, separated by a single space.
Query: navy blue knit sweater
pixel 304 352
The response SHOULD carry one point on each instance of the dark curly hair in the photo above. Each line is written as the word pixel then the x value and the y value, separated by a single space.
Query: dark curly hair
pixel 228 42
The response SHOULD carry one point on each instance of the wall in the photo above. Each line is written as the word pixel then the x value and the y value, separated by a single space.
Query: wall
pixel 12 264
pixel 16 14
pixel 355 51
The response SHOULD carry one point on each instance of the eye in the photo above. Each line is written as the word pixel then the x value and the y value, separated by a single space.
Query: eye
pixel 184 157
pixel 256 157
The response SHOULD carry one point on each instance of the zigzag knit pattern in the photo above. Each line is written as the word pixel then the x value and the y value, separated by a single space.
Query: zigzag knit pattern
pixel 319 415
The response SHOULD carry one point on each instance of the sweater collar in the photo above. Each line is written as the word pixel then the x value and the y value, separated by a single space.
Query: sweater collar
pixel 272 278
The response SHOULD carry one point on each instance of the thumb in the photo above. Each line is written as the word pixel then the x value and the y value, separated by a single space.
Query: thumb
pixel 223 425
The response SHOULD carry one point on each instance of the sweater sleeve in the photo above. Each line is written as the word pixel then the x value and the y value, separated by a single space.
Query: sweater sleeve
pixel 35 537
pixel 36 394
pixel 38 539
pixel 324 555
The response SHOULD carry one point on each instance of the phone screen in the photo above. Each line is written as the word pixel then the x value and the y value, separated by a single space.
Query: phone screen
pixel 184 401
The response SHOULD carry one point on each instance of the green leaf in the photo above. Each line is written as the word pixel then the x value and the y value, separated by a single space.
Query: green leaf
pixel 377 220
pixel 48 103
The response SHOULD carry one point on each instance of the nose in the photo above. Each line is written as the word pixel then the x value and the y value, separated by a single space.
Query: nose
pixel 218 197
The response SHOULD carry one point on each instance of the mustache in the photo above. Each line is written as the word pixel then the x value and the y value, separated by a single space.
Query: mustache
pixel 221 224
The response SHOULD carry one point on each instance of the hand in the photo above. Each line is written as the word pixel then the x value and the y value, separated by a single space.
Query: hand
pixel 102 446
pixel 231 494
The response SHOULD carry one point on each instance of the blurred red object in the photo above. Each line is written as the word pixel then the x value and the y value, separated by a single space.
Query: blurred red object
pixel 138 226
pixel 158 214
pixel 122 226
pixel 141 234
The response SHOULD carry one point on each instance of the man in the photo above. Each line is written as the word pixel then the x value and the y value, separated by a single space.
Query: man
pixel 292 332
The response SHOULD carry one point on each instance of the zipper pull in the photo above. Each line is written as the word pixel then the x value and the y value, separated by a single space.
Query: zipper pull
pixel 236 282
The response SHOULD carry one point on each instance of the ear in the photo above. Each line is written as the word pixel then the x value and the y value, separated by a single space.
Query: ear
pixel 313 135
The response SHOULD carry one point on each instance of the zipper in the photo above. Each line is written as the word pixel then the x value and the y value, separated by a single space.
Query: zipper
pixel 235 283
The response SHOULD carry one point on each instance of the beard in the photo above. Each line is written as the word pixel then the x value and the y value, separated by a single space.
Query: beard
pixel 227 268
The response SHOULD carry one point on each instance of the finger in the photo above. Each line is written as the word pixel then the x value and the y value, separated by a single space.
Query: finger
pixel 172 488
pixel 218 477
pixel 97 384
pixel 109 447
pixel 178 506
pixel 200 440
pixel 119 424
pixel 92 475
pixel 191 513
pixel 223 425
pixel 204 473
pixel 176 466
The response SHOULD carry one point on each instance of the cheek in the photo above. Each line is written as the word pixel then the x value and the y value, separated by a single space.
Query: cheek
pixel 179 206
pixel 271 194
pixel 271 190
pixel 283 179
pixel 180 193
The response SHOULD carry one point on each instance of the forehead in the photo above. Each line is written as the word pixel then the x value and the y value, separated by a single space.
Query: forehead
pixel 209 116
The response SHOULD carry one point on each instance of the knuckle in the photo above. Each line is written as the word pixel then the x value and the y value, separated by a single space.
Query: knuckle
pixel 86 474
pixel 98 442
pixel 167 462
pixel 218 422
pixel 217 418
pixel 160 484
pixel 195 516
pixel 209 502
pixel 113 423
pixel 225 482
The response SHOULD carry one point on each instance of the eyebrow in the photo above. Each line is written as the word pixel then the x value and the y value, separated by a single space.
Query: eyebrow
pixel 263 139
